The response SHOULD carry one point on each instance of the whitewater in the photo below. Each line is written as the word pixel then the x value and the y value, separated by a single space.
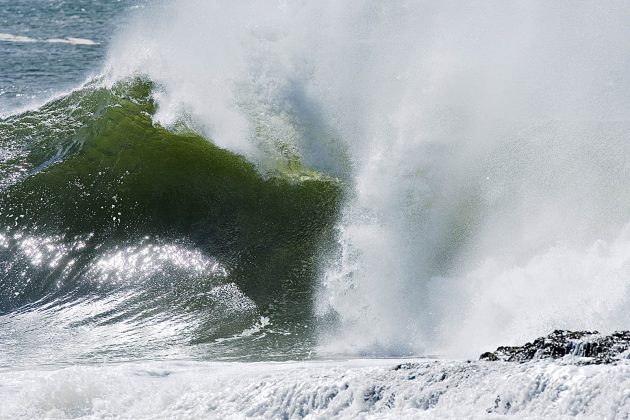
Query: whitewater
pixel 236 209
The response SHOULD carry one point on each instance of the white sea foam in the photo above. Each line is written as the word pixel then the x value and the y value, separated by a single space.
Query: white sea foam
pixel 340 389
pixel 72 41
pixel 485 145
pixel 5 37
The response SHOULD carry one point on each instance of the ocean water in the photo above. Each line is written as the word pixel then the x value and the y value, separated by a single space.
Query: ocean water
pixel 230 209
pixel 53 46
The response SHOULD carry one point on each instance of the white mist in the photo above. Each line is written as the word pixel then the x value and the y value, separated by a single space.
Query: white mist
pixel 483 145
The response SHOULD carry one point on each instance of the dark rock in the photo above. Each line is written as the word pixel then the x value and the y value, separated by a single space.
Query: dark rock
pixel 590 346
pixel 407 366
pixel 488 356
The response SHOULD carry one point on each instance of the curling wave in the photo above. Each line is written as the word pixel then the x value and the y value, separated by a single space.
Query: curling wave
pixel 123 239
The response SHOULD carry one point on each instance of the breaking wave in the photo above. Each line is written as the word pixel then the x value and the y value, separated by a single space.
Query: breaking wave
pixel 122 239
pixel 374 178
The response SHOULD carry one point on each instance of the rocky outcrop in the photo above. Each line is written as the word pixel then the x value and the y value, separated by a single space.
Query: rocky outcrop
pixel 585 347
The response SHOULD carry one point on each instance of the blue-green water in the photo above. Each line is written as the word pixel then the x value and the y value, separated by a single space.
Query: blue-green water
pixel 34 60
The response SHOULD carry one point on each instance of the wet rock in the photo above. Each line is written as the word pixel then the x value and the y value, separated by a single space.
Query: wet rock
pixel 584 347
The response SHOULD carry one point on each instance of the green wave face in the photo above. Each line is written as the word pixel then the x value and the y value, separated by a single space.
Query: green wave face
pixel 99 204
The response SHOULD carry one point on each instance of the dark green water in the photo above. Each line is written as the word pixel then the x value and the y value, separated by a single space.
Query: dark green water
pixel 99 204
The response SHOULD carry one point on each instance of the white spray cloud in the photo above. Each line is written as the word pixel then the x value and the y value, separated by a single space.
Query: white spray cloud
pixel 486 143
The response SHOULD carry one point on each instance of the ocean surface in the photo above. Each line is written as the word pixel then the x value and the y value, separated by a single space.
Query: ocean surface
pixel 230 209
pixel 49 47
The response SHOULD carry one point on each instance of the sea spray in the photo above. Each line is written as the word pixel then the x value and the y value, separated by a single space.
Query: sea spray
pixel 479 141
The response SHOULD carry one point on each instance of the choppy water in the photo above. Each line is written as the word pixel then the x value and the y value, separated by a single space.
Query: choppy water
pixel 48 46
